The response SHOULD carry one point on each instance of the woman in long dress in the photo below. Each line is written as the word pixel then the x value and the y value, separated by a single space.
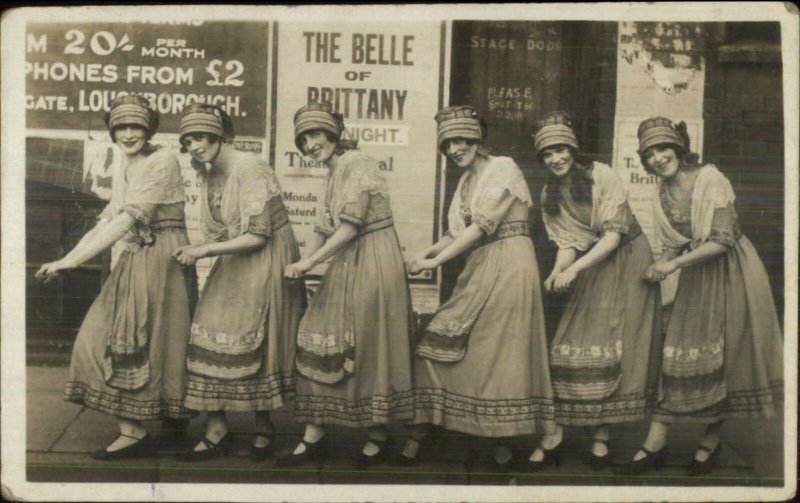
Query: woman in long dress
pixel 241 350
pixel 128 359
pixel 481 364
pixel 353 354
pixel 723 352
pixel 610 329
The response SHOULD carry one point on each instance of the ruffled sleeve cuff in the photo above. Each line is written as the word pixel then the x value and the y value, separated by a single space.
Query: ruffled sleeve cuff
pixel 623 222
pixel 355 211
pixel 724 226
pixel 141 229
pixel 351 213
pixel 492 209
pixel 487 224
pixel 723 237
pixel 259 224
pixel 138 213
pixel 325 230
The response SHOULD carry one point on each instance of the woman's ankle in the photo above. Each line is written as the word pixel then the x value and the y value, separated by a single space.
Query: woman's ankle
pixel 313 434
pixel 411 448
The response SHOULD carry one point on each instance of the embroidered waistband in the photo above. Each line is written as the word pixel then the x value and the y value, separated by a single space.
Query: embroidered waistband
pixel 506 230
pixel 376 226
pixel 167 225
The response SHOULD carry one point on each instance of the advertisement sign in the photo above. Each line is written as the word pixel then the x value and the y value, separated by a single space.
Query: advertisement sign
pixel 73 70
pixel 660 72
pixel 385 80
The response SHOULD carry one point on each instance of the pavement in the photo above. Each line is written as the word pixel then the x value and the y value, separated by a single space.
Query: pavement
pixel 61 436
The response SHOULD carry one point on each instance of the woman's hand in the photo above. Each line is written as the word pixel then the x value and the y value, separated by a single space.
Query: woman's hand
pixel 412 263
pixel 52 270
pixel 660 270
pixel 564 280
pixel 419 265
pixel 422 255
pixel 190 254
pixel 550 281
pixel 298 269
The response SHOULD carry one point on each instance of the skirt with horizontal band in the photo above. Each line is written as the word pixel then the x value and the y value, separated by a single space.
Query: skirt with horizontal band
pixel 170 291
pixel 500 387
pixel 247 297
pixel 737 371
pixel 363 292
pixel 605 354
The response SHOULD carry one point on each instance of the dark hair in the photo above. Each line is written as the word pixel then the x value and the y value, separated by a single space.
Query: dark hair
pixel 580 190
pixel 686 158
pixel 148 148
pixel 342 145
pixel 148 132
pixel 212 138
pixel 483 150
pixel 228 132
pixel 577 155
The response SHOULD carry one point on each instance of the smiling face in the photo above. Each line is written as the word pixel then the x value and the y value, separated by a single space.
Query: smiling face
pixel 130 139
pixel 317 145
pixel 662 160
pixel 461 151
pixel 201 147
pixel 558 159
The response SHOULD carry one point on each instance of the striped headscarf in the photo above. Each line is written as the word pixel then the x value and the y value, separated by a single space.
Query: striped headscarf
pixel 462 122
pixel 554 129
pixel 316 116
pixel 203 118
pixel 131 110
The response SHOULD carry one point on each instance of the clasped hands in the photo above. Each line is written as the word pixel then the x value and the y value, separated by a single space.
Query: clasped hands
pixel 660 270
pixel 560 281
pixel 190 254
pixel 421 262
pixel 298 269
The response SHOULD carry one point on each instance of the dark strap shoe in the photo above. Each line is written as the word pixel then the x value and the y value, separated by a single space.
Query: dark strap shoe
pixel 552 457
pixel 141 449
pixel 696 468
pixel 598 463
pixel 651 461
pixel 363 462
pixel 258 454
pixel 212 450
pixel 315 453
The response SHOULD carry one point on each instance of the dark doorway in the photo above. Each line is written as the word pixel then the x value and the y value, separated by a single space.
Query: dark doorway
pixel 515 72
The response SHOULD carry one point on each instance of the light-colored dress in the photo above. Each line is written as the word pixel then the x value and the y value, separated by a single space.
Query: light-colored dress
pixel 242 347
pixel 353 352
pixel 723 353
pixel 481 364
pixel 129 356
pixel 604 356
